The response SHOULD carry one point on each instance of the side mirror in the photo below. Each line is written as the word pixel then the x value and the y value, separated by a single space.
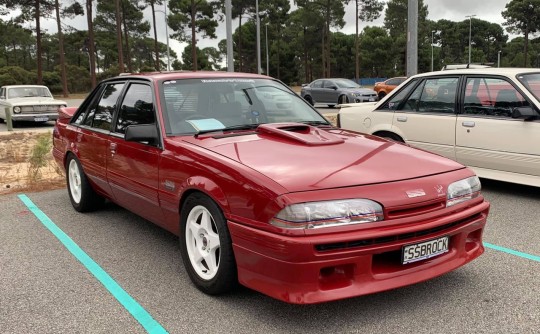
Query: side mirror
pixel 333 87
pixel 524 113
pixel 142 133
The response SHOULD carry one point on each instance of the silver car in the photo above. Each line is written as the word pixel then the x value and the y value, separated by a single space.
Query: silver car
pixel 337 91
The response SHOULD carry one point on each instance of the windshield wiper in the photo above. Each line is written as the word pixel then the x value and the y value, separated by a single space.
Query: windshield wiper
pixel 316 123
pixel 229 128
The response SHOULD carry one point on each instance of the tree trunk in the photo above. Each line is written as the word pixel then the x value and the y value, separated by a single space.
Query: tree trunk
pixel 156 49
pixel 240 41
pixel 91 43
pixel 38 44
pixel 61 50
pixel 193 37
pixel 306 70
pixel 356 55
pixel 119 38
pixel 126 36
pixel 526 46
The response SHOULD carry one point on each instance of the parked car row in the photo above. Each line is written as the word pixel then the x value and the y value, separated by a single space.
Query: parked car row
pixel 29 103
pixel 487 119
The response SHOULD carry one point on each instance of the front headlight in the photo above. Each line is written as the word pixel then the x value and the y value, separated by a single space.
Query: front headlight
pixel 328 213
pixel 16 110
pixel 463 190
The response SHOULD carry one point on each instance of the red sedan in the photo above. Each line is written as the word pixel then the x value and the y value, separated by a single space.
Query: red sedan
pixel 263 191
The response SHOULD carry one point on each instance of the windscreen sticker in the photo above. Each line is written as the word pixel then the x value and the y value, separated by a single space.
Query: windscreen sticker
pixel 206 124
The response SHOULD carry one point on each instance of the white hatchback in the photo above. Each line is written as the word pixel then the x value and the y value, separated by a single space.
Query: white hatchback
pixel 487 119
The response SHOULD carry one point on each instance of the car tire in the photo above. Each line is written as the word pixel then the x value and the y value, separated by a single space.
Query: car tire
pixel 309 100
pixel 206 246
pixel 381 95
pixel 343 99
pixel 82 196
pixel 331 105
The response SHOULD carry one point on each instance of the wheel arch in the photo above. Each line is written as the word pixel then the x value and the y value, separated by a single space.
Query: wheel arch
pixel 389 134
pixel 206 186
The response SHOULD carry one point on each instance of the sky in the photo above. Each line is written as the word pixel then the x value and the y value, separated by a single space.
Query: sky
pixel 453 10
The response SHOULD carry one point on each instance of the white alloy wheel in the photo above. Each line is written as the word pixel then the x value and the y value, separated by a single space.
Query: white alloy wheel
pixel 202 242
pixel 75 186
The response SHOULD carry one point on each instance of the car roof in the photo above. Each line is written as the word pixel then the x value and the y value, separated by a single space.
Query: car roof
pixel 23 86
pixel 506 71
pixel 158 76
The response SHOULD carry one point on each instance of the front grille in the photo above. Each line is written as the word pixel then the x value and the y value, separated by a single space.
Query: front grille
pixel 393 238
pixel 37 109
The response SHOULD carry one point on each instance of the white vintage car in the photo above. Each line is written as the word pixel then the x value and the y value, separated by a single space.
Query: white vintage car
pixel 487 119
pixel 29 103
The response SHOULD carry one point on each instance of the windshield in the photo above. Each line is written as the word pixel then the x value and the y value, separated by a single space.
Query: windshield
pixel 28 92
pixel 532 82
pixel 201 105
pixel 346 83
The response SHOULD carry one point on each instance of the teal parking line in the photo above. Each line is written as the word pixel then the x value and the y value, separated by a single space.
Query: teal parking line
pixel 130 304
pixel 513 252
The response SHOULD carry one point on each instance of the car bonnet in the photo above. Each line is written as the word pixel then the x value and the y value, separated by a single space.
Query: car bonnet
pixel 301 160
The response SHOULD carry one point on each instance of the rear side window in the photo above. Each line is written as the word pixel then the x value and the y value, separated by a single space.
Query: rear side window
pixel 491 97
pixel 100 115
pixel 137 107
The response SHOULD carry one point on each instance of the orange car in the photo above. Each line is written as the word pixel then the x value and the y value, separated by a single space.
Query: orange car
pixel 384 87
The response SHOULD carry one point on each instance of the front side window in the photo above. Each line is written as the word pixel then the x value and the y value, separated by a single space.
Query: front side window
pixel 100 116
pixel 396 100
pixel 193 105
pixel 317 84
pixel 137 108
pixel 491 97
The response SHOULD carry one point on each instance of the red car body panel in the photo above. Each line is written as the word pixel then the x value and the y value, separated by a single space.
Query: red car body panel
pixel 254 174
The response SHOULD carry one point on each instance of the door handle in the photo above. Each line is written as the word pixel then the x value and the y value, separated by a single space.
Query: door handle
pixel 402 118
pixel 113 148
pixel 468 124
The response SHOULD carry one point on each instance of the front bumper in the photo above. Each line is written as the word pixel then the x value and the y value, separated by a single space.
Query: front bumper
pixel 44 117
pixel 299 270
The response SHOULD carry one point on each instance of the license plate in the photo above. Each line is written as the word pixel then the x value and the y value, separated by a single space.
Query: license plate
pixel 424 250
pixel 41 119
pixel 371 99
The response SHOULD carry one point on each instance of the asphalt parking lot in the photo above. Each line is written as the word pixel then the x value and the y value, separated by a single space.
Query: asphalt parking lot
pixel 46 289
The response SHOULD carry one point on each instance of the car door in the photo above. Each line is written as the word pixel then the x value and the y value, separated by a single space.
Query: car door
pixel 427 118
pixel 487 137
pixel 330 93
pixel 317 91
pixel 92 132
pixel 132 167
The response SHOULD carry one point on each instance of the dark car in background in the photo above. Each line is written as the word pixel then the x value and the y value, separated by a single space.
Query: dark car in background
pixel 336 91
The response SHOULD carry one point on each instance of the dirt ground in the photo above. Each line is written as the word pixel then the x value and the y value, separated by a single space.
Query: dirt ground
pixel 27 164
